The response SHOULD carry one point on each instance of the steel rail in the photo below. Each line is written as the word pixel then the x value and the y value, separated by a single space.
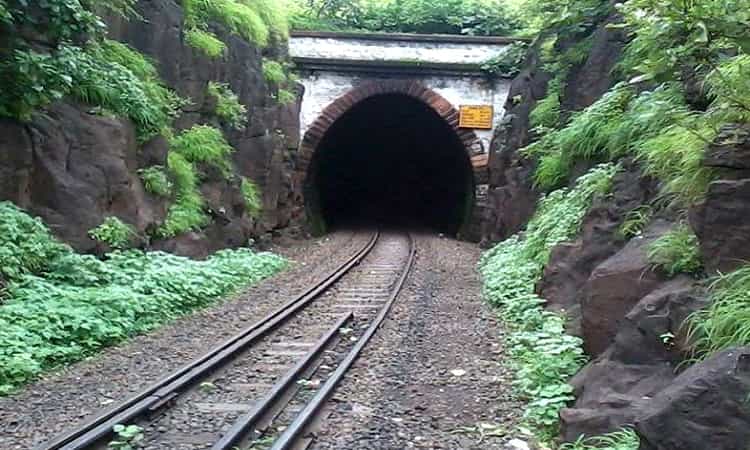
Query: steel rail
pixel 294 431
pixel 246 423
pixel 160 392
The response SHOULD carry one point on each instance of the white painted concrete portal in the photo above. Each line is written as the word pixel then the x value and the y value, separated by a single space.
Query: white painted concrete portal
pixel 332 64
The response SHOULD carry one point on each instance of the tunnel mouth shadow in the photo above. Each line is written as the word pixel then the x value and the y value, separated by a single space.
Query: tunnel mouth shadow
pixel 390 161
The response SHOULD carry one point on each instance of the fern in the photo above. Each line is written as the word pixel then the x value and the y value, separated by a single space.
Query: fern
pixel 251 194
pixel 204 144
pixel 228 106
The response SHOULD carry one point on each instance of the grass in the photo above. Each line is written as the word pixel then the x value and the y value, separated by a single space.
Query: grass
pixel 251 194
pixel 228 106
pixel 729 85
pixel 635 222
pixel 676 252
pixel 206 42
pixel 260 22
pixel 726 322
pixel 66 306
pixel 187 211
pixel 625 439
pixel 656 127
pixel 545 357
pixel 546 113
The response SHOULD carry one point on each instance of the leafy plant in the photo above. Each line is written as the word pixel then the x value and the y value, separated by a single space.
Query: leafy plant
pixel 204 144
pixel 286 97
pixel 546 113
pixel 725 323
pixel 251 194
pixel 507 64
pixel 156 181
pixel 729 85
pixel 273 72
pixel 626 439
pixel 257 21
pixel 187 211
pixel 206 42
pixel 544 355
pixel 67 306
pixel 228 106
pixel 127 437
pixel 113 232
pixel 676 252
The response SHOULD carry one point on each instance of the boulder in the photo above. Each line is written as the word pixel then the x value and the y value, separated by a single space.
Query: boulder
pixel 719 222
pixel 614 389
pixel 730 149
pixel 705 407
pixel 571 263
pixel 614 288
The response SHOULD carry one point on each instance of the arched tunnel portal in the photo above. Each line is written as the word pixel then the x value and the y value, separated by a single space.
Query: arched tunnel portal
pixel 389 153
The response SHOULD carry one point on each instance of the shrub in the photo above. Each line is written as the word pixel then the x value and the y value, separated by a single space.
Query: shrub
pixel 26 247
pixel 544 355
pixel 626 439
pixel 81 304
pixel 205 42
pixel 113 232
pixel 507 64
pixel 186 213
pixel 204 144
pixel 273 72
pixel 725 323
pixel 676 252
pixel 156 181
pixel 729 85
pixel 254 20
pixel 286 97
pixel 228 106
pixel 251 194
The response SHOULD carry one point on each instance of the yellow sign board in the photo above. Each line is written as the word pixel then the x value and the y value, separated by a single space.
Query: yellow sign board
pixel 476 116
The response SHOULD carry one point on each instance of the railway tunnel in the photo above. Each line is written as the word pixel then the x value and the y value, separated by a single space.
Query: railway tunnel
pixel 390 160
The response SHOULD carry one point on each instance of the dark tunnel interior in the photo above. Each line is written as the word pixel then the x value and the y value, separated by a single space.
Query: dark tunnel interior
pixel 391 161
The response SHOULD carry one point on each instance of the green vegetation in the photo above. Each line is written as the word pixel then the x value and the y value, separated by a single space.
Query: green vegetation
pixel 260 22
pixel 204 144
pixel 546 113
pixel 626 439
pixel 206 42
pixel 472 17
pixel 274 72
pixel 676 252
pixel 251 194
pixel 544 355
pixel 127 437
pixel 59 306
pixel 186 212
pixel 635 222
pixel 508 64
pixel 726 322
pixel 156 181
pixel 228 106
pixel 286 97
pixel 113 232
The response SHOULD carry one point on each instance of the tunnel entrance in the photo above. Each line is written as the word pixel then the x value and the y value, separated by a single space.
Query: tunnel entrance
pixel 390 160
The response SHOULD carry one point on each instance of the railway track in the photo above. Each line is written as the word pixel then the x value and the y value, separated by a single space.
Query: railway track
pixel 264 387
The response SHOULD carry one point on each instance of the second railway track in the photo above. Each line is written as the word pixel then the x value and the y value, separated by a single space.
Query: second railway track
pixel 263 387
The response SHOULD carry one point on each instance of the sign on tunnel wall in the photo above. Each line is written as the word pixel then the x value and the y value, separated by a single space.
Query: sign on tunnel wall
pixel 476 117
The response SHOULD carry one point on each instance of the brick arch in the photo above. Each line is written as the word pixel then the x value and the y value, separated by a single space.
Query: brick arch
pixel 333 112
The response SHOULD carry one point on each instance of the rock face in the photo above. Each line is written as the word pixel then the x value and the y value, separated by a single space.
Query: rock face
pixel 614 288
pixel 571 263
pixel 74 169
pixel 724 239
pixel 704 408
pixel 615 389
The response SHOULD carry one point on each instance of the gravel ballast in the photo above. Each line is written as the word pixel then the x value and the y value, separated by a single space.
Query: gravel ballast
pixel 433 375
